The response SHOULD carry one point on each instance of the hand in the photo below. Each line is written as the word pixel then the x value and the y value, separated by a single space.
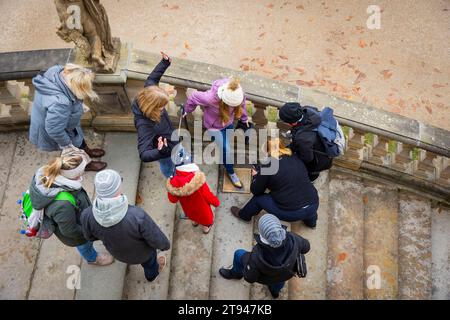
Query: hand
pixel 166 57
pixel 161 143
pixel 254 172
pixel 184 115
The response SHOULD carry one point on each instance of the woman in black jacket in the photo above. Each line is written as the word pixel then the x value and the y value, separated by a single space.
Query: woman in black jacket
pixel 292 196
pixel 273 259
pixel 152 121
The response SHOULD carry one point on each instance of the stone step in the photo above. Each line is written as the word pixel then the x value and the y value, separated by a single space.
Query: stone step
pixel 313 287
pixel 18 253
pixel 414 247
pixel 152 193
pixel 106 283
pixel 345 238
pixel 230 234
pixel 192 253
pixel 440 249
pixel 380 241
pixel 57 264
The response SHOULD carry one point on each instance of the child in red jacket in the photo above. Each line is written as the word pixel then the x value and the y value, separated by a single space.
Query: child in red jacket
pixel 190 188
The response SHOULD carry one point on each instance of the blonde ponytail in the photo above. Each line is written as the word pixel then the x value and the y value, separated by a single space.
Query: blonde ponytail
pixel 234 84
pixel 54 167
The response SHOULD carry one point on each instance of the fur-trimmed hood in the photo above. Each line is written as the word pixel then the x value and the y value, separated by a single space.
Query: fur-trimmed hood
pixel 187 180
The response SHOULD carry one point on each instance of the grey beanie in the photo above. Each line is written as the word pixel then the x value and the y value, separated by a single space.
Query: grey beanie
pixel 107 183
pixel 271 230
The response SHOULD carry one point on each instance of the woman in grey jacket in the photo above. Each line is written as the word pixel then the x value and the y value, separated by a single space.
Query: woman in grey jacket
pixel 58 108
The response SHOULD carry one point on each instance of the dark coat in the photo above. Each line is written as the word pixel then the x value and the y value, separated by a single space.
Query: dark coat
pixel 65 216
pixel 149 130
pixel 289 187
pixel 134 240
pixel 56 113
pixel 307 145
pixel 267 265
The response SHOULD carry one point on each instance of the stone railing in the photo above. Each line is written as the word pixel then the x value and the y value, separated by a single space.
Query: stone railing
pixel 380 143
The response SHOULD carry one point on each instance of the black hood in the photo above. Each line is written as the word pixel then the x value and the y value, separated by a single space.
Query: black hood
pixel 276 260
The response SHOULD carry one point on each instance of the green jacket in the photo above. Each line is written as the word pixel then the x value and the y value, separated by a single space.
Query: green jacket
pixel 64 215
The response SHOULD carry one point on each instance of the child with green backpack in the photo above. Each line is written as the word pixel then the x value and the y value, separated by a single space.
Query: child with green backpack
pixel 55 200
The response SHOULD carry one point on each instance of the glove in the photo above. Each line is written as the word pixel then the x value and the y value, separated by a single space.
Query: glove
pixel 243 125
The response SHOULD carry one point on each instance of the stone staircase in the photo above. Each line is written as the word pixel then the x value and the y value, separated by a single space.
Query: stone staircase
pixel 373 239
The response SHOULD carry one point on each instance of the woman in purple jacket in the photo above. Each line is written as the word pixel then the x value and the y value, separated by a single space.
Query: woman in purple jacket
pixel 221 105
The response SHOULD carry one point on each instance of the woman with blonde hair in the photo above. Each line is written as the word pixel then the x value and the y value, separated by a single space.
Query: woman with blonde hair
pixel 64 174
pixel 152 121
pixel 222 104
pixel 58 108
pixel 292 196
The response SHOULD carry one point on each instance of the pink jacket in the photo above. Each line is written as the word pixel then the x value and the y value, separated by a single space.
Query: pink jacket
pixel 210 105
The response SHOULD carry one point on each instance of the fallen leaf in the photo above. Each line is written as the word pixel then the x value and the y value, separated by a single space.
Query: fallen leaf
pixel 438 85
pixel 437 70
pixel 430 111
pixel 300 7
pixel 187 46
pixel 245 67
pixel 361 76
pixel 304 83
pixel 283 57
pixel 175 7
pixel 300 70
pixel 270 6
pixel 342 256
pixel 362 43
pixel 386 74
pixel 349 18
pixel 257 48
pixel 262 34
pixel 165 34
pixel 139 199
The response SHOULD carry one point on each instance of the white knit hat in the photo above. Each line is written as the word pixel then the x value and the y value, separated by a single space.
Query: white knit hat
pixel 233 98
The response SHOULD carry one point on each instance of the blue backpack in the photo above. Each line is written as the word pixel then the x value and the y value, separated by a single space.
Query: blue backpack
pixel 330 133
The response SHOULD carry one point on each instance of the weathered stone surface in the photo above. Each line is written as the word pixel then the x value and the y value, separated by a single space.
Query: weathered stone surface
pixel 7 146
pixel 152 195
pixel 414 247
pixel 54 259
pixel 107 282
pixel 345 238
pixel 440 249
pixel 380 241
pixel 230 234
pixel 18 253
pixel 192 253
pixel 313 287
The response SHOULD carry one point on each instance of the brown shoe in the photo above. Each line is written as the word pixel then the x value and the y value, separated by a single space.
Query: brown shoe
pixel 103 259
pixel 195 224
pixel 235 212
pixel 95 166
pixel 94 153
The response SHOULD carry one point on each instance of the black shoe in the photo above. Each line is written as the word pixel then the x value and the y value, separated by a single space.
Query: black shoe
pixel 274 294
pixel 228 274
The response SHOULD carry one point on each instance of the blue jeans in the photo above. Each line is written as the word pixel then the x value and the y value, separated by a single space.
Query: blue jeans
pixel 151 268
pixel 87 251
pixel 238 268
pixel 167 167
pixel 222 141
pixel 307 214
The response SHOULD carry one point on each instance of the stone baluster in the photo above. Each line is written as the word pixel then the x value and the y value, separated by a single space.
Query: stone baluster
pixel 271 114
pixel 5 111
pixel 21 93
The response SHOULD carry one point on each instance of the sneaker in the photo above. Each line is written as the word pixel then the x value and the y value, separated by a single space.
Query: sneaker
pixel 162 263
pixel 228 274
pixel 235 180
pixel 103 259
pixel 274 294
pixel 183 216
pixel 235 212
pixel 206 229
